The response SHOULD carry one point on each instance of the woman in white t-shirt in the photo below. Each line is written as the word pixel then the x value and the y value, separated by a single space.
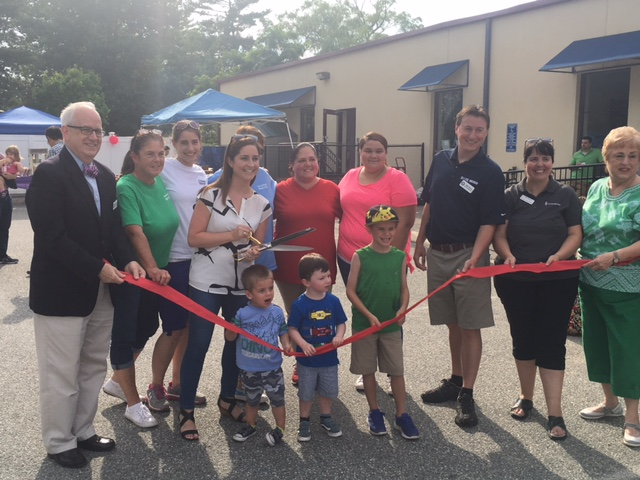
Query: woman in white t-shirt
pixel 184 179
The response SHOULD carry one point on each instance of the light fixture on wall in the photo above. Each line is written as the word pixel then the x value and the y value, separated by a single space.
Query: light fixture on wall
pixel 323 75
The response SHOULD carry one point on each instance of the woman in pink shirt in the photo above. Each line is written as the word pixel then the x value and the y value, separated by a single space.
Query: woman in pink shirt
pixel 10 168
pixel 373 183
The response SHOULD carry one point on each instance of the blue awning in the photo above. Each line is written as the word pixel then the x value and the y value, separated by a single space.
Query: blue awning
pixel 597 54
pixel 286 99
pixel 212 106
pixel 439 77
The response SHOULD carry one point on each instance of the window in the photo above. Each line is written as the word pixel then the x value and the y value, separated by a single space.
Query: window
pixel 307 124
pixel 604 104
pixel 447 105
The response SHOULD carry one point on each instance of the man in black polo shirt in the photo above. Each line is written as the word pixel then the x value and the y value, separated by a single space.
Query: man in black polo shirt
pixel 464 201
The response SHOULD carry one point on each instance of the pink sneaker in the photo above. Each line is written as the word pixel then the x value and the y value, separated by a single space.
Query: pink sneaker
pixel 157 398
pixel 173 395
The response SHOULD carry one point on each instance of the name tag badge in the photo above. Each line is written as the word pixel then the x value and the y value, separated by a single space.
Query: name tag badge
pixel 115 204
pixel 467 186
pixel 526 199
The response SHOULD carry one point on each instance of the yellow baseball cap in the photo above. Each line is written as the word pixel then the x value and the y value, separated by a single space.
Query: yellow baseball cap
pixel 381 213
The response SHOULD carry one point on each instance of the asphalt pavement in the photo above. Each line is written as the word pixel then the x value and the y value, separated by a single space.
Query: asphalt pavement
pixel 498 448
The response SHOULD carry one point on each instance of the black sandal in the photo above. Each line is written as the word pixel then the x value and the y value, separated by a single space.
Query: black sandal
pixel 186 416
pixel 522 404
pixel 556 422
pixel 228 410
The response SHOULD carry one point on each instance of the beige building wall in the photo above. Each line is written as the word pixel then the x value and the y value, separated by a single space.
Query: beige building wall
pixel 543 104
pixel 368 80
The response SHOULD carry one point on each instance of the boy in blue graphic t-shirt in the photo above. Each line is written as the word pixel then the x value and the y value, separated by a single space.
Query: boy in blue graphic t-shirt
pixel 260 366
pixel 317 319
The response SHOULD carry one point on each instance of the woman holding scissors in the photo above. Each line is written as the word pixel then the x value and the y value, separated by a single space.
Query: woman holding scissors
pixel 227 214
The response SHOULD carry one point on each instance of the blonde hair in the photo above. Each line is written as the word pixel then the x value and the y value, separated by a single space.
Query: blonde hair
pixel 619 137
pixel 15 151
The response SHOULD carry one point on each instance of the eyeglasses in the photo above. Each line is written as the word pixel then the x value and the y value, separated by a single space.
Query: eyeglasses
pixel 240 136
pixel 87 131
pixel 533 141
pixel 184 124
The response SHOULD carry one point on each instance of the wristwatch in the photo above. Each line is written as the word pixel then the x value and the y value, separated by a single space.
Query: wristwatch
pixel 616 258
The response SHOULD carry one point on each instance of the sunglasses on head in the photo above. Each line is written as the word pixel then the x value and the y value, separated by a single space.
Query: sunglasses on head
pixel 144 131
pixel 184 124
pixel 533 141
pixel 240 136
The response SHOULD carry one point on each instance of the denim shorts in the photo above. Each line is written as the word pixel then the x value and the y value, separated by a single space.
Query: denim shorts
pixel 173 316
pixel 148 320
pixel 126 299
pixel 271 382
pixel 320 380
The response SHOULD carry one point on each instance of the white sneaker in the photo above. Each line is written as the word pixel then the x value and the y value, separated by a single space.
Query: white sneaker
pixel 360 384
pixel 141 416
pixel 113 388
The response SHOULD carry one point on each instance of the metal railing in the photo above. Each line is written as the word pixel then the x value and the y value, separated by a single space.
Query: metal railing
pixel 579 177
pixel 335 159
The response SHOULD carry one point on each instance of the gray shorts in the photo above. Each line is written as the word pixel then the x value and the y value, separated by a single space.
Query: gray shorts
pixel 272 383
pixel 383 350
pixel 466 302
pixel 320 380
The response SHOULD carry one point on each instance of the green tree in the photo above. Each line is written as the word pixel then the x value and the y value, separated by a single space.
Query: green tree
pixel 275 44
pixel 15 56
pixel 226 35
pixel 150 54
pixel 322 27
pixel 57 89
pixel 135 47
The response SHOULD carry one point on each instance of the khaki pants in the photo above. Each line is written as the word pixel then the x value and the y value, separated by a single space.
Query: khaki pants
pixel 72 365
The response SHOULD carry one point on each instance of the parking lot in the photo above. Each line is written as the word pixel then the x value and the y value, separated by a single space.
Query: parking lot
pixel 498 448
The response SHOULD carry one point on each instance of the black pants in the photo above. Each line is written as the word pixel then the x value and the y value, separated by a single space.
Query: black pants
pixel 538 313
pixel 6 211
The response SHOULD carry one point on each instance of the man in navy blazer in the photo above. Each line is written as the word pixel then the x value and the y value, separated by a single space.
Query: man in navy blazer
pixel 76 223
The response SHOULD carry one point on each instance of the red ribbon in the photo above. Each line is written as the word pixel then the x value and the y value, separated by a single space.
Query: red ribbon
pixel 480 272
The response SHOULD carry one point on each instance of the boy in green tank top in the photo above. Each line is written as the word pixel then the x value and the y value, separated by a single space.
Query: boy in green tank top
pixel 377 289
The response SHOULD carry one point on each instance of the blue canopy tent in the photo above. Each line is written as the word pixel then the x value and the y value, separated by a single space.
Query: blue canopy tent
pixel 26 121
pixel 212 106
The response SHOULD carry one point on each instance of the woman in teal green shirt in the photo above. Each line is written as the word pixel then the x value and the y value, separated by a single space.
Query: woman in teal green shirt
pixel 150 221
pixel 609 293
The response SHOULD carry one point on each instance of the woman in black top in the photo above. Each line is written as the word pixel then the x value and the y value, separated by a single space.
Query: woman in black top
pixel 543 226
